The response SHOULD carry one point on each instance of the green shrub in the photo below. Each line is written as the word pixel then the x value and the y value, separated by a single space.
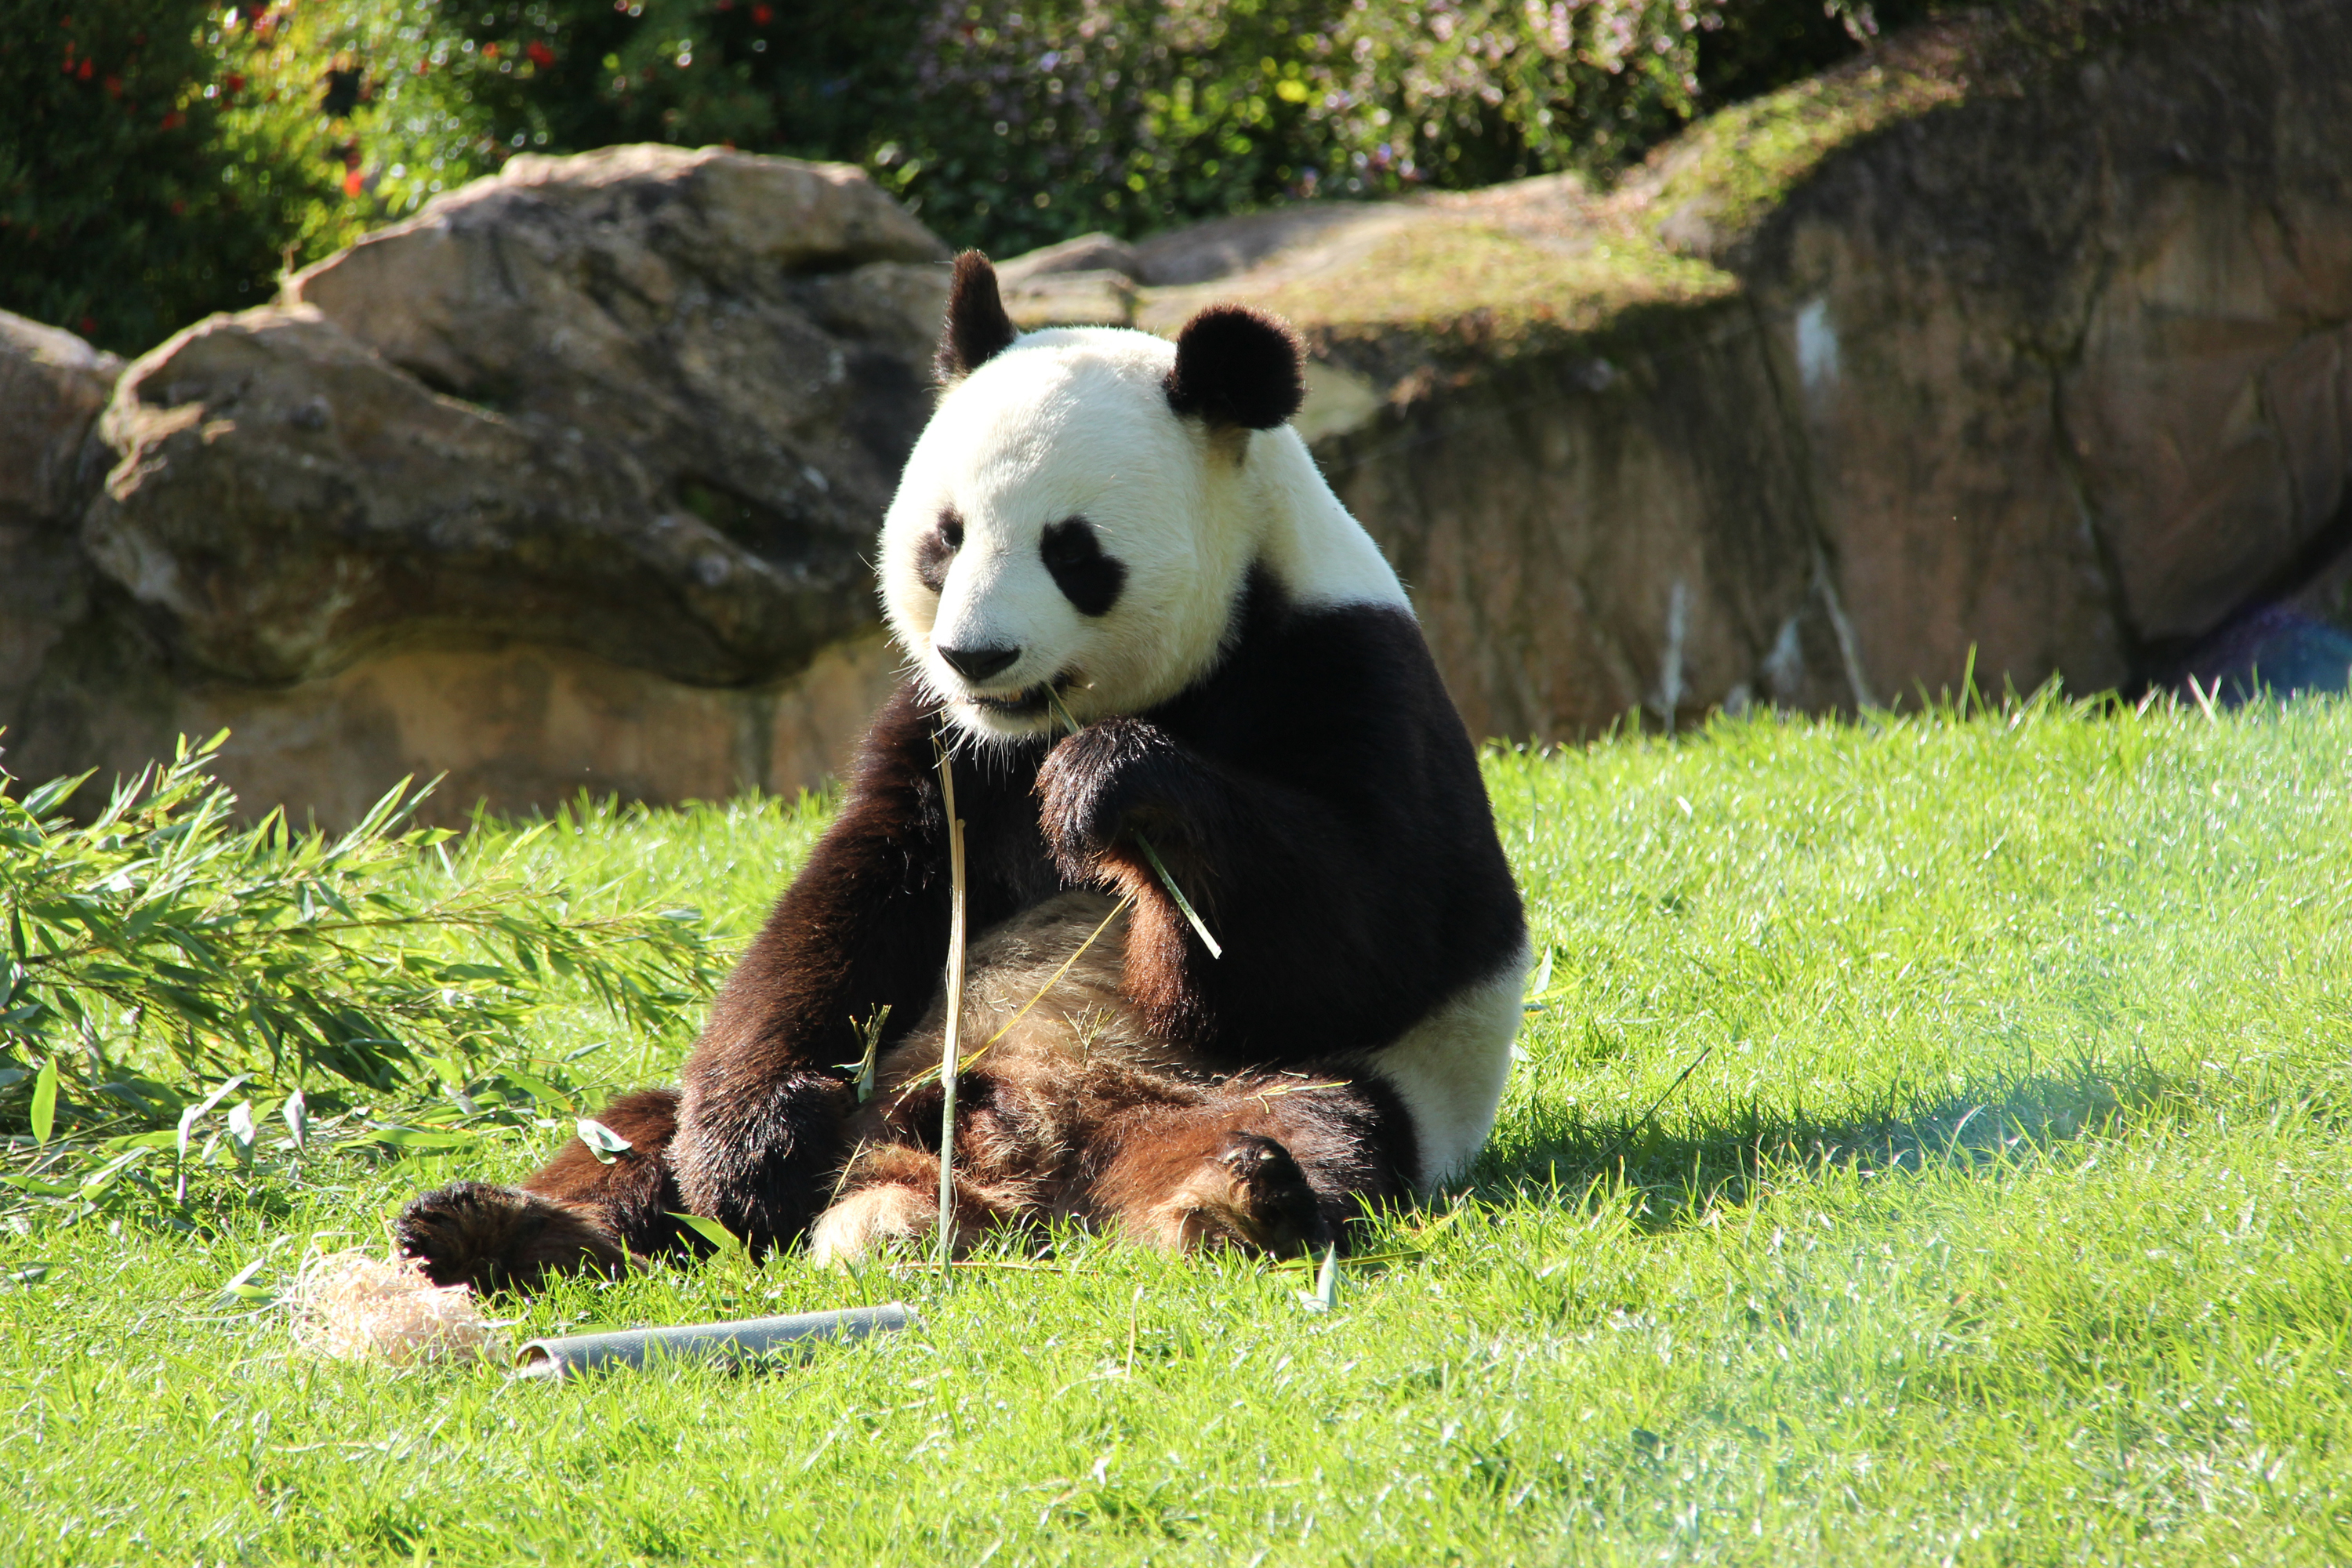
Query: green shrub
pixel 1012 123
pixel 133 198
pixel 158 948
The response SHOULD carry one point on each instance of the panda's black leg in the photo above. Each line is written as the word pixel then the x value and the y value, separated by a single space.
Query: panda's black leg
pixel 577 1215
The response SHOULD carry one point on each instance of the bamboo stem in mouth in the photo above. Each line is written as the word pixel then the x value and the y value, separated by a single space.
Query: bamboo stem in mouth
pixel 948 1042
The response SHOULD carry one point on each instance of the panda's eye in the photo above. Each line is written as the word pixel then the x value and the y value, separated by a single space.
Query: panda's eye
pixel 1089 579
pixel 936 549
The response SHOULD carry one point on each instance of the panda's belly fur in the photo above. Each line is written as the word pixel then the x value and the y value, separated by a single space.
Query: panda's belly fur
pixel 1052 1049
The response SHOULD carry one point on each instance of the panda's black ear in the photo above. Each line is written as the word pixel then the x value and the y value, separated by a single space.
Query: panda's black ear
pixel 978 330
pixel 1236 367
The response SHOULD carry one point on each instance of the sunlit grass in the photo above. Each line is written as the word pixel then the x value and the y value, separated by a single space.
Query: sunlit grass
pixel 2006 1218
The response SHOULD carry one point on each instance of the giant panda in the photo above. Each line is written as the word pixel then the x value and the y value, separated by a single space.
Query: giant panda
pixel 1103 529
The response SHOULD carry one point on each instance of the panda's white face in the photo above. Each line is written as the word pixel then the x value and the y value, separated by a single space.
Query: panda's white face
pixel 1060 528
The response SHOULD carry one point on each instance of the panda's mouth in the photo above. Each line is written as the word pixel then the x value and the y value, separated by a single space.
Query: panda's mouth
pixel 1031 704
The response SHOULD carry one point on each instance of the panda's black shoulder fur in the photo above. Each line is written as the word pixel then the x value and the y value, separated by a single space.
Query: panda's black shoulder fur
pixel 1320 791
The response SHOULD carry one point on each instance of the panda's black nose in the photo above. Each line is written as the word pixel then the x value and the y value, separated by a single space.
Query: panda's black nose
pixel 978 663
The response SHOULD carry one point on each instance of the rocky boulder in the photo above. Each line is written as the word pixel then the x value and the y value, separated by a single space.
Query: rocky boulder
pixel 600 428
pixel 2013 349
pixel 644 402
pixel 52 388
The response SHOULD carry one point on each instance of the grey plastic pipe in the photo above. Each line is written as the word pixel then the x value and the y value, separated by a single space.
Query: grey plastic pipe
pixel 720 1344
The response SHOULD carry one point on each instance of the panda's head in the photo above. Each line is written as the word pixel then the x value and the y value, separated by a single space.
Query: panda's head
pixel 1078 519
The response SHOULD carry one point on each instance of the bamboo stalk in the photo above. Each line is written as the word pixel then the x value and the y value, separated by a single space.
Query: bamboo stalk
pixel 948 1042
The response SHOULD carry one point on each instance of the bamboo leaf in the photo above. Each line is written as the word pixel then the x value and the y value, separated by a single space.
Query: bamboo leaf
pixel 45 1102
pixel 239 1286
pixel 41 802
pixel 418 1138
pixel 711 1230
pixel 190 1117
pixel 603 1142
pixel 241 1131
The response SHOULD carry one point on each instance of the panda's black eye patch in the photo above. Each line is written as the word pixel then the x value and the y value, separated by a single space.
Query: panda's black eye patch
pixel 937 548
pixel 1087 578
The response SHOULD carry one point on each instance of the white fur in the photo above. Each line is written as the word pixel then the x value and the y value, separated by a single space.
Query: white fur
pixel 1450 1067
pixel 1075 422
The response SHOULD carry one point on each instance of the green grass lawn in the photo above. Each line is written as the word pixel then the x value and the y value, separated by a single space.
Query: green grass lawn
pixel 2005 1217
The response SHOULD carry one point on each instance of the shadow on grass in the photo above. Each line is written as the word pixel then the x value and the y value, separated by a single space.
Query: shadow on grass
pixel 1682 1165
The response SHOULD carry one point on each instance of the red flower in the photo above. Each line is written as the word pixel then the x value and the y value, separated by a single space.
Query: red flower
pixel 178 207
pixel 352 182
pixel 540 55
pixel 761 16
pixel 174 120
pixel 89 325
pixel 230 83
pixel 489 51
pixel 84 73
pixel 113 86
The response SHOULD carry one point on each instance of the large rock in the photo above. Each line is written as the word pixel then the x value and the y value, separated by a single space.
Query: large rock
pixel 644 402
pixel 52 386
pixel 2070 351
pixel 568 480
pixel 2002 348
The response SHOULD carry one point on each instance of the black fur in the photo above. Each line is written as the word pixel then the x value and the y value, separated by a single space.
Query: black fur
pixel 576 1212
pixel 1319 803
pixel 864 926
pixel 1090 580
pixel 978 330
pixel 1236 369
pixel 936 549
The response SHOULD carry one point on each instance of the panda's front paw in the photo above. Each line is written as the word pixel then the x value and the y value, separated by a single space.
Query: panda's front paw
pixel 1118 776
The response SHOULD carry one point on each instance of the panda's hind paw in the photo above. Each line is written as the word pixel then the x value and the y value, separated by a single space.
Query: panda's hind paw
pixel 493 1238
pixel 871 1220
pixel 1249 1194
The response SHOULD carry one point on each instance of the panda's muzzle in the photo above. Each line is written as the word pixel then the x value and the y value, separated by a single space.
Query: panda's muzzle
pixel 977 663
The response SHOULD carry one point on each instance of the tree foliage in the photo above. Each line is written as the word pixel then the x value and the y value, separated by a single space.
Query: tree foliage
pixel 160 159
pixel 133 198
pixel 1010 123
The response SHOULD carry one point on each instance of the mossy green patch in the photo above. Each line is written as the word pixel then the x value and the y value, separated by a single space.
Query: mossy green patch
pixel 1446 270
pixel 1731 168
